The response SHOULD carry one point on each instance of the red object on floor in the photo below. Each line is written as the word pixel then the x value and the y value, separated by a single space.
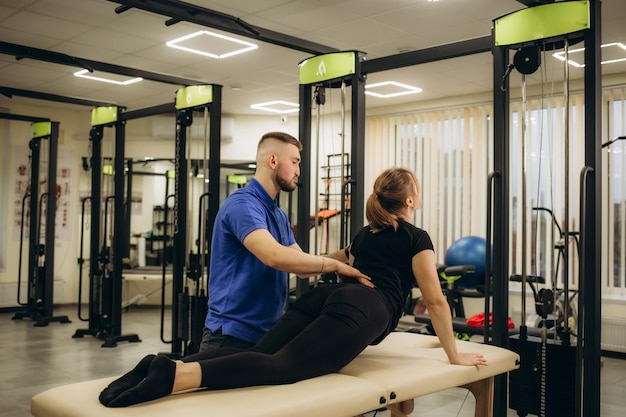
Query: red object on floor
pixel 478 320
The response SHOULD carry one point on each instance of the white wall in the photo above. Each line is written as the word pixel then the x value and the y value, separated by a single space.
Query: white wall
pixel 66 252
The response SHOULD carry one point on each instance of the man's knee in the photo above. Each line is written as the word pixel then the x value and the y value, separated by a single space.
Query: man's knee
pixel 214 340
pixel 210 340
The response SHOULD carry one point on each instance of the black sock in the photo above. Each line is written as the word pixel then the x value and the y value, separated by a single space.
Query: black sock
pixel 126 381
pixel 158 383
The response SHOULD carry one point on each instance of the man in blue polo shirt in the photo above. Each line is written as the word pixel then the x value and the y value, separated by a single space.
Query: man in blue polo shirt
pixel 253 249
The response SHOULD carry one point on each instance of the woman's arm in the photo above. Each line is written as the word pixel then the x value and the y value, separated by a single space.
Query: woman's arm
pixel 425 271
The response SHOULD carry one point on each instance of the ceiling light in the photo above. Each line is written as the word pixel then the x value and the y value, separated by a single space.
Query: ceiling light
pixel 197 43
pixel 391 89
pixel 83 74
pixel 277 106
pixel 613 52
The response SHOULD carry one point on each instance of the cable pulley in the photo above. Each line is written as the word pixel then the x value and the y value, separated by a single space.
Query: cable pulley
pixel 528 59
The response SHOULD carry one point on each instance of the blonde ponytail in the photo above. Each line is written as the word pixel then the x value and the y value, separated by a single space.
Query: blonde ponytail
pixel 388 199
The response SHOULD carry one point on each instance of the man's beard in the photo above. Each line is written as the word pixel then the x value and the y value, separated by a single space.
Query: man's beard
pixel 285 185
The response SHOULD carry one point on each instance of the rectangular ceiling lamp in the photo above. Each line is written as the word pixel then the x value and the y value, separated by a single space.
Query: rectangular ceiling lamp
pixel 211 44
pixel 388 89
pixel 277 106
pixel 86 74
pixel 541 22
pixel 611 52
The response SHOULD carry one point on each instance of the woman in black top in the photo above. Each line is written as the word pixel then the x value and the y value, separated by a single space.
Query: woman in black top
pixel 330 325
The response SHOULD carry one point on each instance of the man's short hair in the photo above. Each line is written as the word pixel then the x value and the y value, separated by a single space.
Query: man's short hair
pixel 281 136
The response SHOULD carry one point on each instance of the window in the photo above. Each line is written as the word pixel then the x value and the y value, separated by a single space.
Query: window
pixel 614 194
pixel 451 152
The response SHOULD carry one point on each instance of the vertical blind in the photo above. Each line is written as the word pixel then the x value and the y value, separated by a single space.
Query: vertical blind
pixel 451 152
pixel 614 194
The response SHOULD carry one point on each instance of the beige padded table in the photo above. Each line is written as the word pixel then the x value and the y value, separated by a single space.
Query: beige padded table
pixel 402 367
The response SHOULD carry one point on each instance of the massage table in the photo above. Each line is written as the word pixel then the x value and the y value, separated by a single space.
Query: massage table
pixel 144 274
pixel 402 367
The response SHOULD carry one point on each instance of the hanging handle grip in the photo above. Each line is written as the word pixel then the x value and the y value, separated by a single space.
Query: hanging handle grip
pixel 81 260
pixel 584 175
pixel 164 269
pixel 19 270
pixel 343 234
pixel 491 179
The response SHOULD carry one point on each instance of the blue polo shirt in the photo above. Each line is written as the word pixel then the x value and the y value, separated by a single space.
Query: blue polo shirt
pixel 246 297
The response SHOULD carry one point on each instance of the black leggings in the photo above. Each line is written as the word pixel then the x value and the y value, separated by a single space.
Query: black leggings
pixel 321 333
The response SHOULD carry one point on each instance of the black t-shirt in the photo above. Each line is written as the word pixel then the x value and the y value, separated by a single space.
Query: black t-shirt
pixel 386 257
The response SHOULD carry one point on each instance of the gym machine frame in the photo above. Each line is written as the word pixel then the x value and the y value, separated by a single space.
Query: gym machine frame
pixel 338 68
pixel 105 284
pixel 588 353
pixel 188 311
pixel 39 305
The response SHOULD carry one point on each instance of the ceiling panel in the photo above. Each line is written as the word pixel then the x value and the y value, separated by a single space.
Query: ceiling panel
pixel 29 39
pixel 45 26
pixel 90 29
pixel 94 13
pixel 114 40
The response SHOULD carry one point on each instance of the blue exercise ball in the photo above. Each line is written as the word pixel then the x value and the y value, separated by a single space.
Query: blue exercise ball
pixel 468 250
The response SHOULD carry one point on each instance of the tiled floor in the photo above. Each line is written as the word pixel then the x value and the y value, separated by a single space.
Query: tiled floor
pixel 33 359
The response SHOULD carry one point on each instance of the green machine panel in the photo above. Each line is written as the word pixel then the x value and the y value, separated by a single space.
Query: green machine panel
pixel 327 67
pixel 194 96
pixel 542 22
pixel 41 129
pixel 104 115
pixel 108 169
pixel 237 179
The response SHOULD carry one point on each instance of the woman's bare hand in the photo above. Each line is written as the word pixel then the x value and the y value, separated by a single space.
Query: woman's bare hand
pixel 470 359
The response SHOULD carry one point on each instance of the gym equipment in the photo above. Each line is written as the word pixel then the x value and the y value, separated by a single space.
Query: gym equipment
pixel 39 306
pixel 106 274
pixel 107 255
pixel 468 250
pixel 189 306
pixel 536 387
pixel 562 299
pixel 390 374
pixel 462 275
pixel 336 176
pixel 449 276
pixel 316 74
pixel 105 268
pixel 333 72
pixel 569 22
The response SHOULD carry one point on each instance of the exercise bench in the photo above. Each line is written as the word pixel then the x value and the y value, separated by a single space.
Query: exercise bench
pixel 391 374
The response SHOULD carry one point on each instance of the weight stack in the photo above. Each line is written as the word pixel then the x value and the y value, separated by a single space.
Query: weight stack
pixel 560 377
